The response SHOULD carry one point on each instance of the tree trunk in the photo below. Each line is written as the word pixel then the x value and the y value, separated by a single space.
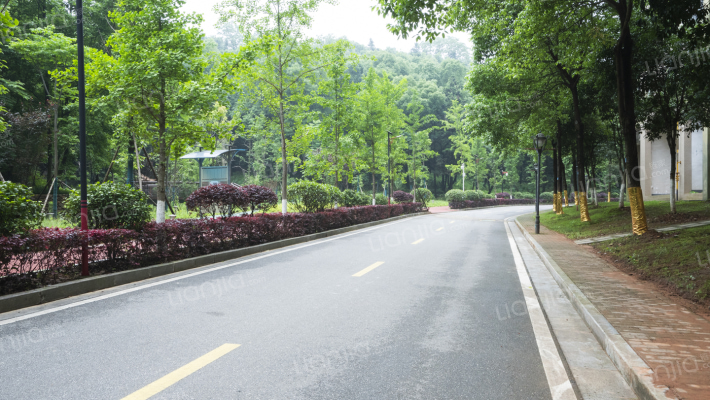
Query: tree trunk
pixel 671 138
pixel 623 53
pixel 555 181
pixel 284 161
pixel 583 212
pixel 575 181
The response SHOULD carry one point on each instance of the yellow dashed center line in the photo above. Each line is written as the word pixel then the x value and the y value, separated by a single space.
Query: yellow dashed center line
pixel 418 241
pixel 440 229
pixel 180 373
pixel 370 268
pixel 452 222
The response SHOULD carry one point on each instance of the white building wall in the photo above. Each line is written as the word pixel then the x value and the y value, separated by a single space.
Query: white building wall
pixel 697 160
pixel 660 167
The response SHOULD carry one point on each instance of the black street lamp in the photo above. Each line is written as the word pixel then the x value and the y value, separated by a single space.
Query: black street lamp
pixel 82 135
pixel 539 141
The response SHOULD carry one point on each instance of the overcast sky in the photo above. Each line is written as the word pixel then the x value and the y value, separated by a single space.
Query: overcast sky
pixel 353 19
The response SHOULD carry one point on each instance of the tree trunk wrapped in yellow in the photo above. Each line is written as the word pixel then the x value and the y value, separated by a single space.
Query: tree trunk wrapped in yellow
pixel 583 211
pixel 609 193
pixel 560 211
pixel 638 211
pixel 566 200
pixel 576 198
pixel 554 202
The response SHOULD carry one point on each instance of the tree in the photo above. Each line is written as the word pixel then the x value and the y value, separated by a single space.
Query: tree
pixel 292 58
pixel 158 78
pixel 54 54
pixel 6 24
pixel 328 141
pixel 419 141
pixel 371 125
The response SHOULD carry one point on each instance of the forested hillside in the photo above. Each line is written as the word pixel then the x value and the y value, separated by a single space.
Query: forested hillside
pixel 343 99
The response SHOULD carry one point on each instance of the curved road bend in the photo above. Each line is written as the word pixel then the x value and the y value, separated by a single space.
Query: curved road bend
pixel 422 308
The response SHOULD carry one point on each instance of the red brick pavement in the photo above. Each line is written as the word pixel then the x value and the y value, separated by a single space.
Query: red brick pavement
pixel 671 339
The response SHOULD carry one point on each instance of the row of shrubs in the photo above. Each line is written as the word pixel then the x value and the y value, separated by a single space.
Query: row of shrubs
pixel 47 256
pixel 488 202
pixel 310 196
pixel 458 198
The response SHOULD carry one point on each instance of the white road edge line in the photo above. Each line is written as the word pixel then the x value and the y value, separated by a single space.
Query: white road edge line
pixel 557 379
pixel 162 282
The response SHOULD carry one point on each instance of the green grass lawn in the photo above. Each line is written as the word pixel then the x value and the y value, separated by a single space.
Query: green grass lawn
pixel 679 259
pixel 438 203
pixel 608 218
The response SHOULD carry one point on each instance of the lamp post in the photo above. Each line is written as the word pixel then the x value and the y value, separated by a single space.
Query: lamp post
pixel 539 142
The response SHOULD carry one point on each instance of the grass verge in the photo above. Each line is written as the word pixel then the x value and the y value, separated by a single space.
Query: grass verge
pixel 608 218
pixel 678 260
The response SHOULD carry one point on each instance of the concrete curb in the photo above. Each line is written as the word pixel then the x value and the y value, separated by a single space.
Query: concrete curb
pixel 60 291
pixel 634 370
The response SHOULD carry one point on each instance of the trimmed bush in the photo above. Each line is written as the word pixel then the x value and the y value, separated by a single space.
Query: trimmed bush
pixel 48 256
pixel 311 197
pixel 380 199
pixel 455 195
pixel 472 195
pixel 402 197
pixel 351 198
pixel 110 206
pixel 259 198
pixel 523 195
pixel 18 212
pixel 546 196
pixel 221 199
pixel 488 203
pixel 335 196
pixel 424 196
pixel 503 195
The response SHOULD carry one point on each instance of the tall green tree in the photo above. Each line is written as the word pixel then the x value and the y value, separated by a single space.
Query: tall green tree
pixel 157 78
pixel 53 54
pixel 283 69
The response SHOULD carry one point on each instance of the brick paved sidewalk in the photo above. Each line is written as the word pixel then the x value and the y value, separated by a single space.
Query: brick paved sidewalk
pixel 672 340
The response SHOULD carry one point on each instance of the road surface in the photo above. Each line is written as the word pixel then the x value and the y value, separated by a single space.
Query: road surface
pixel 421 308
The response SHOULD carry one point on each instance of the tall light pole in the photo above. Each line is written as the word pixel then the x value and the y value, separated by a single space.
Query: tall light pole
pixel 82 135
pixel 539 142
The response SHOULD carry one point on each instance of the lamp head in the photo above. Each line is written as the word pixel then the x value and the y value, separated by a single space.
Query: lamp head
pixel 539 141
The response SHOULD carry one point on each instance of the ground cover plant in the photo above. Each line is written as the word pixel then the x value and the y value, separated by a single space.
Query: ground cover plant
pixel 678 260
pixel 608 218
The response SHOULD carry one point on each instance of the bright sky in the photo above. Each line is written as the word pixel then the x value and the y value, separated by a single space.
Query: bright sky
pixel 353 19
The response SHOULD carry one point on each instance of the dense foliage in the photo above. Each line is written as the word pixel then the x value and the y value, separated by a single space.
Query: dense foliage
pixel 351 198
pixel 424 196
pixel 310 196
pixel 218 200
pixel 259 198
pixel 110 206
pixel 402 197
pixel 18 212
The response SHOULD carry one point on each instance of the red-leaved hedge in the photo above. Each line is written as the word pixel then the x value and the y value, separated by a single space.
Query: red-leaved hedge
pixel 48 256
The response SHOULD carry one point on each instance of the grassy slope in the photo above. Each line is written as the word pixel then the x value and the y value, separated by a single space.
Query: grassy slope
pixel 609 219
pixel 679 259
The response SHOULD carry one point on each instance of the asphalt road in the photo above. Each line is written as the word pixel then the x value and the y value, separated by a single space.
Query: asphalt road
pixel 422 308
